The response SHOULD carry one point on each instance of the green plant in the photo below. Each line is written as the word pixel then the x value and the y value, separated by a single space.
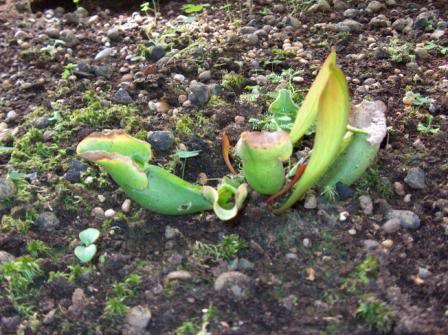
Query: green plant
pixel 37 248
pixel 20 225
pixel 87 250
pixel 197 327
pixel 362 274
pixel 428 127
pixel 376 314
pixel 226 249
pixel 233 81
pixel 68 70
pixel 19 276
pixel 121 293
pixel 190 8
pixel 126 160
pixel 400 52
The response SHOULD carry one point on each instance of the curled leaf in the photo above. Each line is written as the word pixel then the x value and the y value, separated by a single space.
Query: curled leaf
pixel 284 110
pixel 226 153
pixel 227 199
pixel 263 154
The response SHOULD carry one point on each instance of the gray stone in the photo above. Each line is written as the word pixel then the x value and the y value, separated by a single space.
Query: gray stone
pixel 438 34
pixel 233 283
pixel 138 317
pixel 246 30
pixel 41 122
pixel 245 264
pixel 104 71
pixel 424 19
pixel 199 93
pixel 52 32
pixel 400 24
pixel 73 174
pixel 205 75
pixel 371 245
pixel 122 97
pixel 251 39
pixel 391 226
pixel 320 6
pixel 349 25
pixel 421 53
pixel 105 53
pixel 161 140
pixel 415 178
pixel 47 222
pixel 375 6
pixel 278 8
pixel 380 21
pixel 310 202
pixel 424 273
pixel 5 257
pixel 82 12
pixel 171 232
pixel 365 201
pixel 7 189
pixel 179 275
pixel 156 53
pixel 408 219
pixel 351 13
pixel 339 5
pixel 114 34
pixel 290 21
pixel 11 117
pixel 69 38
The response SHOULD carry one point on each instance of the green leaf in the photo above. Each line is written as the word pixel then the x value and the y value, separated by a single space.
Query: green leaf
pixel 187 154
pixel 332 118
pixel 192 8
pixel 284 110
pixel 309 109
pixel 263 154
pixel 85 254
pixel 89 236
pixel 5 150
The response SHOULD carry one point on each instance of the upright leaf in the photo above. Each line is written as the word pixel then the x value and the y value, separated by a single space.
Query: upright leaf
pixel 309 109
pixel 332 119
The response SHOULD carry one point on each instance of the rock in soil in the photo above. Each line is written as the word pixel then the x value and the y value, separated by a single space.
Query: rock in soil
pixel 138 317
pixel 392 226
pixel 5 257
pixel 47 222
pixel 7 189
pixel 161 140
pixel 122 97
pixel 73 174
pixel 415 178
pixel 233 283
pixel 408 219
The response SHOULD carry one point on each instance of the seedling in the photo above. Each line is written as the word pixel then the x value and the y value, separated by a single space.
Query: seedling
pixel 87 251
pixel 376 314
pixel 227 249
pixel 190 8
pixel 68 70
pixel 427 127
pixel 184 155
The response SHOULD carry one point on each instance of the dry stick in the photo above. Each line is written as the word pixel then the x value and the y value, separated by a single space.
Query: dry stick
pixel 299 172
pixel 225 153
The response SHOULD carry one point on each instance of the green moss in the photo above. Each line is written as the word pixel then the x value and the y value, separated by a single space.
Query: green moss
pixel 20 225
pixel 233 81
pixel 226 249
pixel 362 274
pixel 373 181
pixel 376 314
pixel 400 52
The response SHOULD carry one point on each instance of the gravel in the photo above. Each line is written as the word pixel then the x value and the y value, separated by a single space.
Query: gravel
pixel 408 219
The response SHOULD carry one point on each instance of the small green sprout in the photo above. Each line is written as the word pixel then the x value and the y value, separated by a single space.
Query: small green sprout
pixel 37 248
pixel 68 70
pixel 184 155
pixel 121 293
pixel 233 81
pixel 427 127
pixel 190 8
pixel 226 249
pixel 196 327
pixel 376 314
pixel 87 251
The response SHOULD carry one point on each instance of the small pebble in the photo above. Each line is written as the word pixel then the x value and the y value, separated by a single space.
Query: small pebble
pixel 109 213
pixel 126 206
pixel 352 231
pixel 343 216
pixel 306 242
pixel 387 244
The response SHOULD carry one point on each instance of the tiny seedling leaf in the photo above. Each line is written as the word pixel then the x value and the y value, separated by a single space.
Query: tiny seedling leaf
pixel 85 254
pixel 187 154
pixel 89 236
pixel 5 150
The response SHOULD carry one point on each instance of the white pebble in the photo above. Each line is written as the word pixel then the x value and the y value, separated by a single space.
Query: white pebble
pixel 126 206
pixel 109 213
